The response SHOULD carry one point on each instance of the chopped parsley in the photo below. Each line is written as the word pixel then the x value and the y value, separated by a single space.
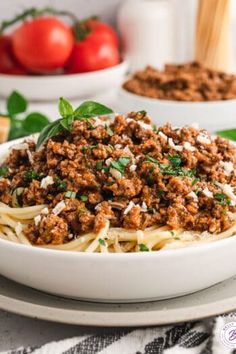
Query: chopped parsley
pixel 70 194
pixel 222 199
pixel 30 175
pixel 173 168
pixel 154 128
pixel 99 165
pixel 172 233
pixel 109 131
pixel 88 147
pixel 120 164
pixel 142 112
pixel 101 242
pixel 82 210
pixel 84 198
pixel 143 248
pixel 60 184
pixel 197 191
pixel 4 171
pixel 175 160
pixel 195 181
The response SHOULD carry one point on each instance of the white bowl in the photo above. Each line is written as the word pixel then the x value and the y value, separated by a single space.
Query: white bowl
pixel 118 277
pixel 214 115
pixel 50 87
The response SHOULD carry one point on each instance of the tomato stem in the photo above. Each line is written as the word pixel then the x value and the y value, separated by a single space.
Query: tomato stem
pixel 34 12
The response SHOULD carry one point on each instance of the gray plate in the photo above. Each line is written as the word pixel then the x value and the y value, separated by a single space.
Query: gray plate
pixel 22 300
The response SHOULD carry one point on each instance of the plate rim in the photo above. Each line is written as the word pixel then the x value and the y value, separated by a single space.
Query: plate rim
pixel 115 318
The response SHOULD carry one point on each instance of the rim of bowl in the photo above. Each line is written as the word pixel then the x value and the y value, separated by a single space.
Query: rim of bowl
pixel 122 65
pixel 172 102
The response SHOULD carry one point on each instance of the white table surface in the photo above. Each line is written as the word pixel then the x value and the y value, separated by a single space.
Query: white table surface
pixel 16 331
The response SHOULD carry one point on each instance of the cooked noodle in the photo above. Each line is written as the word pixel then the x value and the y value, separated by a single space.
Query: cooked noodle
pixel 108 239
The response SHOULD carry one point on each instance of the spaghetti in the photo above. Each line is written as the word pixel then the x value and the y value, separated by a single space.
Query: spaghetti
pixel 212 43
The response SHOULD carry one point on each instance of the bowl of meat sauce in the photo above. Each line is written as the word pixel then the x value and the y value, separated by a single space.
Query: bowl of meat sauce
pixel 182 94
pixel 112 208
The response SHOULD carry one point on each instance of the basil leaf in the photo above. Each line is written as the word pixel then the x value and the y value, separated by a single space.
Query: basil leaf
pixel 66 123
pixel 91 109
pixel 34 122
pixel 49 131
pixel 16 103
pixel 16 130
pixel 65 108
pixel 228 134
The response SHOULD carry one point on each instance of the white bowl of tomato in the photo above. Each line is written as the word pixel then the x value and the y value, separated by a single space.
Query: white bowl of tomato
pixel 44 57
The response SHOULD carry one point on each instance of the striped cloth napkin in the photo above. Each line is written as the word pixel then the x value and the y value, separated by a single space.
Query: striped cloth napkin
pixel 203 337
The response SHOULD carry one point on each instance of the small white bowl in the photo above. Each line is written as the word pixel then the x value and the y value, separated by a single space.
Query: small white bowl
pixel 50 87
pixel 214 115
pixel 118 277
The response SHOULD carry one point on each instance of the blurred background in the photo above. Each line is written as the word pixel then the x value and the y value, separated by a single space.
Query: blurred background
pixel 184 17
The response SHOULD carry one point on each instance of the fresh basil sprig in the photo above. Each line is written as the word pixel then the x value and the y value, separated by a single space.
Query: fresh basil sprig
pixel 228 134
pixel 23 125
pixel 85 111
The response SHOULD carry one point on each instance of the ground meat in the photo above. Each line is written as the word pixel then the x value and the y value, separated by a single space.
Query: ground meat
pixel 185 82
pixel 136 176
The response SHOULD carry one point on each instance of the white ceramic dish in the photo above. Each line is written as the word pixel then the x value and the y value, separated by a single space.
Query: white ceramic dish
pixel 45 88
pixel 209 115
pixel 25 301
pixel 118 277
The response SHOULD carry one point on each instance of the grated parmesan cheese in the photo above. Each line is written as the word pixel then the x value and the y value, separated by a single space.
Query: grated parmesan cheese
pixel 203 139
pixel 162 135
pixel 46 181
pixel 133 168
pixel 227 166
pixel 129 207
pixel 207 193
pixel 175 147
pixel 144 125
pixel 118 146
pixel 193 195
pixel 108 161
pixel 228 190
pixel 189 147
pixel 37 220
pixel 45 211
pixel 144 207
pixel 115 173
pixel 58 208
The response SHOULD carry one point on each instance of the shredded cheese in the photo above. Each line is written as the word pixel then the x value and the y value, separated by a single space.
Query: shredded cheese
pixel 58 208
pixel 129 207
pixel 46 181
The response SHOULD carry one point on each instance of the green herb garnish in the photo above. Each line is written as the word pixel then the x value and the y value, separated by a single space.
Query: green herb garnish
pixel 30 175
pixel 101 242
pixel 143 248
pixel 120 164
pixel 228 134
pixel 88 147
pixel 70 194
pixel 31 123
pixel 99 165
pixel 85 111
pixel 195 181
pixel 4 171
pixel 60 184
pixel 175 160
pixel 222 199
pixel 109 131
pixel 84 198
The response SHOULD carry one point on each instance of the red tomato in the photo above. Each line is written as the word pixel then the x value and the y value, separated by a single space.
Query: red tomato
pixel 8 63
pixel 43 44
pixel 98 50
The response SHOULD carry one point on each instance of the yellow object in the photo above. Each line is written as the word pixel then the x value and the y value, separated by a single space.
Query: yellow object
pixel 212 42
